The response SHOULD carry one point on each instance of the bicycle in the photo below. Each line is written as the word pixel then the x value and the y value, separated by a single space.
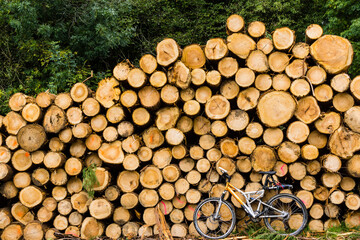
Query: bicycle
pixel 285 214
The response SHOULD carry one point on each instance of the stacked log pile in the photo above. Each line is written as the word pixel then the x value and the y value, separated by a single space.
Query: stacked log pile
pixel 157 134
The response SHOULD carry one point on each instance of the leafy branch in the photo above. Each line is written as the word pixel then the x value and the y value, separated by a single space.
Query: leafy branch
pixel 89 179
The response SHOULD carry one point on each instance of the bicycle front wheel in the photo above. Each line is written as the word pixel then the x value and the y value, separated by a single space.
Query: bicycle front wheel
pixel 211 225
pixel 286 215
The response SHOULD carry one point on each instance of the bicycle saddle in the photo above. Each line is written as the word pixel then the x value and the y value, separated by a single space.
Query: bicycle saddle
pixel 268 172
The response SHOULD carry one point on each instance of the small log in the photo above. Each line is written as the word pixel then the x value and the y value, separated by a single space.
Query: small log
pixel 297 170
pixel 308 183
pixel 129 200
pixel 213 154
pixel 193 177
pixel 167 52
pixel 281 169
pixel 31 196
pixel 215 49
pixel 66 135
pixel 296 69
pixel 201 125
pixel 313 32
pixel 331 223
pixel 181 186
pixel 13 122
pixel 169 94
pixel 121 70
pixel 354 87
pixel 316 211
pixel 130 230
pixel 179 151
pixel 174 136
pixel 240 44
pixel 167 191
pixel 263 82
pixel 131 162
pixel 44 215
pixel 198 75
pixel 136 78
pixel 110 134
pixel 21 160
pixel 254 130
pixel 316 75
pixel 248 99
pixel 276 108
pixel 18 101
pixel 73 115
pixel 203 94
pixel 22 180
pixel 340 82
pixel 187 94
pixel 309 152
pixel 281 82
pixel 148 198
pixel 148 63
pixel 77 148
pixel 31 137
pixel 207 141
pixel 306 197
pixel 79 92
pixel 352 201
pixel 213 78
pixel 112 193
pixel 63 100
pixel 246 145
pixel 278 61
pixel 64 207
pixel 228 147
pixel 327 51
pixel 342 102
pixel 330 180
pixel 100 208
pixel 11 143
pixel 297 132
pixel 301 50
pixel 288 152
pixel 179 230
pixel 82 130
pixel 128 181
pixel 31 112
pixel 323 93
pixel 347 184
pixel 257 61
pixel 263 158
pixel 44 99
pixel 331 163
pixel 55 119
pixel 245 77
pixel 113 231
pixel 90 107
pixel 144 154
pixel 54 160
pixel 91 228
pixel 243 164
pixel 149 97
pixel 80 201
pixel 352 220
pixel 337 197
pixel 93 142
pixel 186 164
pixel 171 173
pixel 283 38
pixel 129 98
pixel 228 66
pixel 12 232
pixel 193 56
pixel 272 136
pixel 321 193
pixel 55 145
pixel 196 152
pixel 234 23
pixel 328 123
pixel 74 185
pixel 316 225
pixel 73 166
pixel 256 29
pixel 58 177
pixel 229 89
pixel 344 142
pixel 111 152
pixel 203 165
pixel 300 87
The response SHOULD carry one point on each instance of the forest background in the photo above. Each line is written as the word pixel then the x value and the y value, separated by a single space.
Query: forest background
pixel 51 44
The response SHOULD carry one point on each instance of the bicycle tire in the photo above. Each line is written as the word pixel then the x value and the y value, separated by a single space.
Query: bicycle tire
pixel 199 215
pixel 297 210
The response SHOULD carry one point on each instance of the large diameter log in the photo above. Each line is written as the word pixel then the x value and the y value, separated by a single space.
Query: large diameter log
pixel 344 142
pixel 167 52
pixel 333 53
pixel 240 44
pixel 54 119
pixel 276 108
pixel 283 38
pixel 111 152
pixel 31 137
pixel 216 49
pixel 263 158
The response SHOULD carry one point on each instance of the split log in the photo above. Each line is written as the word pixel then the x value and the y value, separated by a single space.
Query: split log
pixel 22 213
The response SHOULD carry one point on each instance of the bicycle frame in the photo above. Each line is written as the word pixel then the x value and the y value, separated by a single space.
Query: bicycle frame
pixel 249 200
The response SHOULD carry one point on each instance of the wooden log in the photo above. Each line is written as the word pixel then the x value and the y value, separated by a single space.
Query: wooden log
pixel 327 51
pixel 330 180
pixel 263 82
pixel 31 196
pixel 13 122
pixel 149 97
pixel 243 164
pixel 306 197
pixel 193 177
pixel 63 100
pixel 91 228
pixel 187 94
pixel 300 87
pixel 198 75
pixel 44 99
pixel 18 101
pixel 129 98
pixel 352 220
pixel 21 160
pixel 323 93
pixel 130 229
pixel 6 218
pixel 79 92
pixel 179 202
pixel 5 154
pixel 207 141
pixel 313 167
pixel 309 152
pixel 179 151
pixel 22 180
pixel 113 231
pixel 74 185
pixel 55 145
pixel 276 108
pixel 344 142
pixel 148 198
pixel 301 50
pixel 272 136
pixel 167 191
pixel 129 200
pixel 58 177
pixel 6 172
pixel 278 61
pixel 308 183
pixel 151 177
pixel 352 166
pixel 80 201
pixel 213 154
pixel 307 110
pixel 136 78
pixel 77 148
pixel 171 173
pixel 288 152
pixel 256 29
pixel 313 32
pixel 297 132
pixel 316 225
pixel 283 38
pixel 167 52
pixel 22 213
pixel 331 163
pixel 174 136
pixel 11 143
pixel 31 112
pixel 316 211
pixel 111 152
pixel 281 82
pixel 240 44
pixel 201 125
pixel 121 70
pixel 228 66
pixel 12 232
pixel 131 162
pixel 110 134
pixel 328 123
pixel 128 181
pixel 234 23
pixel 337 197
pixel 248 99
pixel 331 223
pixel 340 82
pixel 254 130
pixel 263 158
pixel 58 193
pixel 352 201
pixel 73 166
pixel 213 78
pixel 169 94
pixel 203 165
pixel 215 49
pixel 148 63
pixel 100 208
pixel 297 170
pixel 228 147
pixel 342 102
pixel 257 61
pixel 296 69
pixel 354 87
pixel 54 160
pixel 196 152
pixel 144 154
pixel 321 193
pixel 179 230
pixel 229 89
pixel 64 207
pixel 31 137
pixel 245 77
pixel 186 164
pixel 281 169
pixel 316 75
pixel 193 56
pixel 227 164
pixel 347 183
pixel 181 186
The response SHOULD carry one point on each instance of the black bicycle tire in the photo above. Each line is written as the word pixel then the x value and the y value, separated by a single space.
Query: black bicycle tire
pixel 303 207
pixel 233 220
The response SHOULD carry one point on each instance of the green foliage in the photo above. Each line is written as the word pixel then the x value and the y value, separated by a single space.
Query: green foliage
pixel 89 179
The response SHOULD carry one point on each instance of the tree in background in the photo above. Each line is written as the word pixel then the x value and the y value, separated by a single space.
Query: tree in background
pixel 50 44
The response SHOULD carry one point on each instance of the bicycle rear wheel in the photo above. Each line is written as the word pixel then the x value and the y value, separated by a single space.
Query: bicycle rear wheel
pixel 210 226
pixel 286 215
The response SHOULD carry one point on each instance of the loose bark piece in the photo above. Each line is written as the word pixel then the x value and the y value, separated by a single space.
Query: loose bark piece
pixel 167 51
pixel 121 71
pixel 216 49
pixel 276 108
pixel 283 38
pixel 240 44
pixel 235 23
pixel 333 53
